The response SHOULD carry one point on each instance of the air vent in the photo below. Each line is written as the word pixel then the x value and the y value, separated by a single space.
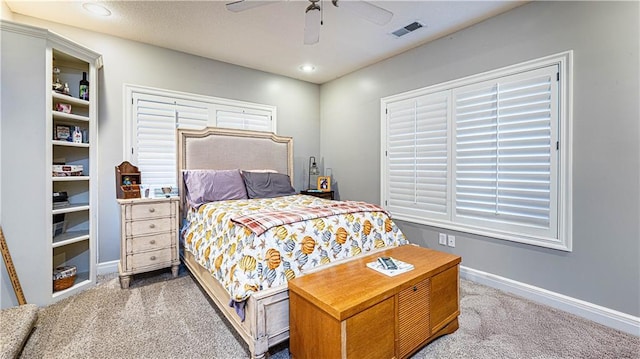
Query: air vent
pixel 407 29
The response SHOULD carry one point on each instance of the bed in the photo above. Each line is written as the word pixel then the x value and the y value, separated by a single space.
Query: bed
pixel 259 310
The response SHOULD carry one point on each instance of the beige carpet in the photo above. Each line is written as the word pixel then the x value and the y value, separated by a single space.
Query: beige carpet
pixel 16 324
pixel 162 317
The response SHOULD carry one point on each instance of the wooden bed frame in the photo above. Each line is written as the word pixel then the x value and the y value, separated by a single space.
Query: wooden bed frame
pixel 266 312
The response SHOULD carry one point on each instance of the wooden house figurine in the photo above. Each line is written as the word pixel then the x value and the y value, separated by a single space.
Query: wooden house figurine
pixel 128 181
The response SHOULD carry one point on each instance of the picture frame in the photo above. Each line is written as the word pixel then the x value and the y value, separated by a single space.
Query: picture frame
pixel 63 133
pixel 324 183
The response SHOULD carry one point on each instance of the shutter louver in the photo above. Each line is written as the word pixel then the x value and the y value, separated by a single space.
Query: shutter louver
pixel 192 115
pixel 417 155
pixel 244 120
pixel 503 152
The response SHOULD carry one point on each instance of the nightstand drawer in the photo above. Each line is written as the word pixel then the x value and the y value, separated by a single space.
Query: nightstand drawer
pixel 148 210
pixel 147 243
pixel 152 258
pixel 148 226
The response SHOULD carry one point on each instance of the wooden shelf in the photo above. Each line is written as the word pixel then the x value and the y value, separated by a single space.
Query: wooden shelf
pixel 70 237
pixel 69 116
pixel 70 178
pixel 69 144
pixel 75 207
pixel 70 99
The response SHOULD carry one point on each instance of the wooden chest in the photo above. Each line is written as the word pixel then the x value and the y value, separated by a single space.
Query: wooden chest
pixel 352 311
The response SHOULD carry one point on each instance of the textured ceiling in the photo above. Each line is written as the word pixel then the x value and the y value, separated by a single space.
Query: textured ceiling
pixel 270 37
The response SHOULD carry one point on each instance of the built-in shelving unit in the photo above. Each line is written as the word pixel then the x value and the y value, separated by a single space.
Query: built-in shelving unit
pixel 43 233
pixel 75 246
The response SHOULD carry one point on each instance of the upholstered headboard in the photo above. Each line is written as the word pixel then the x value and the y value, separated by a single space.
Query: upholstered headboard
pixel 223 149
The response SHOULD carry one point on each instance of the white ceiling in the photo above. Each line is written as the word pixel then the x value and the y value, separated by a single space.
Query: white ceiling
pixel 270 38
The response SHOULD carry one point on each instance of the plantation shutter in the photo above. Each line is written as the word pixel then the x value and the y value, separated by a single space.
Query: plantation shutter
pixel 156 118
pixel 505 162
pixel 417 155
pixel 155 114
pixel 244 119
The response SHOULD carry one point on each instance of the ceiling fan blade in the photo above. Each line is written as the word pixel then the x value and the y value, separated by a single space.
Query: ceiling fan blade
pixel 242 5
pixel 366 10
pixel 312 26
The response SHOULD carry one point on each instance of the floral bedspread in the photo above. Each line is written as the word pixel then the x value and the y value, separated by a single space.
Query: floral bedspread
pixel 244 262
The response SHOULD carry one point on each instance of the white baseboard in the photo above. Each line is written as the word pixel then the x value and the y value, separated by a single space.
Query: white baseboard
pixel 108 267
pixel 599 314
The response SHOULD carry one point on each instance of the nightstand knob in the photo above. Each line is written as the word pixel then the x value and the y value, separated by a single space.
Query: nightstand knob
pixel 152 225
pixel 153 258
pixel 152 210
pixel 153 241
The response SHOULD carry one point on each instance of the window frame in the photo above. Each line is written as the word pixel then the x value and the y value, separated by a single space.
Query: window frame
pixel 564 196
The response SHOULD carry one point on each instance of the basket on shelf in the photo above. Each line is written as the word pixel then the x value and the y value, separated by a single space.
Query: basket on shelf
pixel 64 277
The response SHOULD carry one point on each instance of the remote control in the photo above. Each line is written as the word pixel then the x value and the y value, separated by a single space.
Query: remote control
pixel 387 263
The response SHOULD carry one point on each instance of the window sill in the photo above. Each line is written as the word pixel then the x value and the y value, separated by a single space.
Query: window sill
pixel 551 243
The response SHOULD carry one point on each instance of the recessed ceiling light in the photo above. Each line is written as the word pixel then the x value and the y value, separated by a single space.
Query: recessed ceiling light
pixel 307 68
pixel 96 9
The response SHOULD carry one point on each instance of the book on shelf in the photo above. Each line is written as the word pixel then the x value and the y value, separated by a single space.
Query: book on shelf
pixel 402 267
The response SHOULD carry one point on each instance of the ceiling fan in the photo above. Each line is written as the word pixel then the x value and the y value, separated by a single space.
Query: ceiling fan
pixel 313 13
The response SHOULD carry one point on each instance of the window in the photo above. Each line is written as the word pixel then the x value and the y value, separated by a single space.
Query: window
pixel 488 154
pixel 154 115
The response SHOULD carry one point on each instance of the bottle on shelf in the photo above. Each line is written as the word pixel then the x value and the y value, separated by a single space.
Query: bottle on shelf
pixel 77 135
pixel 84 87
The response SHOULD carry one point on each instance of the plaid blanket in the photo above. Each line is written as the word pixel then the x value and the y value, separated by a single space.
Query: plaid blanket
pixel 263 221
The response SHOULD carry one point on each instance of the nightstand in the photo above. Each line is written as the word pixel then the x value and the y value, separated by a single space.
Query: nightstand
pixel 325 195
pixel 149 236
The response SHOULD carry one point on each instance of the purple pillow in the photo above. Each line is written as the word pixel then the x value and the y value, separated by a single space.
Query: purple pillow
pixel 203 186
pixel 267 184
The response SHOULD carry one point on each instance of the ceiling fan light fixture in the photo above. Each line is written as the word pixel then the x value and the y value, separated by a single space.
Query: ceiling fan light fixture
pixel 313 13
pixel 96 9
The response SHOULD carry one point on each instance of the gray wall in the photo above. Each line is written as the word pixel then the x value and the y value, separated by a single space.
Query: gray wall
pixel 604 265
pixel 129 62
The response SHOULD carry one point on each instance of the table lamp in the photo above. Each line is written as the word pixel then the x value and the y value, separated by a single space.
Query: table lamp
pixel 313 173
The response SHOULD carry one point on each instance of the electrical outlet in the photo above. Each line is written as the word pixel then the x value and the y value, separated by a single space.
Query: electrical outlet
pixel 451 240
pixel 442 239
